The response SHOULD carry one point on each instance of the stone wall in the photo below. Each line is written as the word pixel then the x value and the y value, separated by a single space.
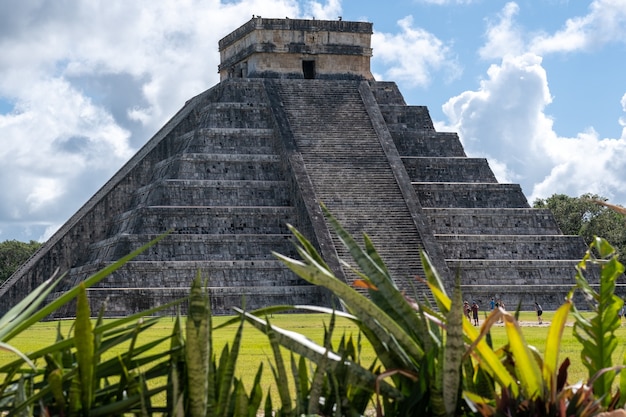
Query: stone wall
pixel 277 48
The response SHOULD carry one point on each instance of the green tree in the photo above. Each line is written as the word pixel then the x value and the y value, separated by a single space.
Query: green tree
pixel 14 253
pixel 586 216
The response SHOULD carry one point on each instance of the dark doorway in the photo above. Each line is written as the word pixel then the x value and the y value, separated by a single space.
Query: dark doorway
pixel 308 69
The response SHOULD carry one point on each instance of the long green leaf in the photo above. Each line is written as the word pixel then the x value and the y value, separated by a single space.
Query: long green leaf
pixel 488 358
pixel 227 374
pixel 23 309
pixel 175 395
pixel 84 347
pixel 527 368
pixel 453 353
pixel 23 357
pixel 370 314
pixel 597 334
pixel 280 371
pixel 386 295
pixel 28 318
pixel 197 351
pixel 553 346
pixel 256 393
pixel 63 345
pixel 305 347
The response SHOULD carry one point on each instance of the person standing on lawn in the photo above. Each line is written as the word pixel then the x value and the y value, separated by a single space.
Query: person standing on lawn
pixel 539 311
pixel 475 313
pixel 466 309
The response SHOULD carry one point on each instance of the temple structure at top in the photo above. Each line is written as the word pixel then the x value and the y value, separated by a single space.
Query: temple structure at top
pixel 295 48
pixel 298 120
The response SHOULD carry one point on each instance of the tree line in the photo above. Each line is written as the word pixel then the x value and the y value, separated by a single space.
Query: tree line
pixel 13 253
pixel 587 216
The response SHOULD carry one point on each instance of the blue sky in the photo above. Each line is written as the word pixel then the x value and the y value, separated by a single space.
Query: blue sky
pixel 536 86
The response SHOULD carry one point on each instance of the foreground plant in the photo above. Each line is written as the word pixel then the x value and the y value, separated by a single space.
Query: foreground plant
pixel 71 376
pixel 211 388
pixel 430 359
pixel 440 364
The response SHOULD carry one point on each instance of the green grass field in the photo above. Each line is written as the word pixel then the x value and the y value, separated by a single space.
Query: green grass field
pixel 255 348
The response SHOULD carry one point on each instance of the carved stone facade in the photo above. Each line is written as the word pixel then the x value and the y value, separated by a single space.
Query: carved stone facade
pixel 263 148
pixel 295 48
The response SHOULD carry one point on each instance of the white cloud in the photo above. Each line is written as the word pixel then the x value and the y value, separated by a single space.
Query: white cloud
pixel 413 55
pixel 329 11
pixel 503 37
pixel 506 118
pixel 505 121
pixel 605 23
pixel 54 142
pixel 90 83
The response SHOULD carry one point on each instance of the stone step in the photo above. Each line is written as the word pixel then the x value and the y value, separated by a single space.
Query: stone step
pixel 223 299
pixel 180 274
pixel 231 141
pixel 488 221
pixel 504 272
pixel 176 192
pixel 235 115
pixel 180 247
pixel 407 117
pixel 207 220
pixel 220 167
pixel 436 169
pixel 241 90
pixel 387 93
pixel 501 247
pixel 470 195
pixel 427 143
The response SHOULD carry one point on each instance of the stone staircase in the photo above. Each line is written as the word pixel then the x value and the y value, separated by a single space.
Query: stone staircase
pixel 500 246
pixel 224 196
pixel 350 172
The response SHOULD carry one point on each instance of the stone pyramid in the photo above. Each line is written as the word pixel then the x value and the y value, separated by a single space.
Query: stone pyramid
pixel 297 119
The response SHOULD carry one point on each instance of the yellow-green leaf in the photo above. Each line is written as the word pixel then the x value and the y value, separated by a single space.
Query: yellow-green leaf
pixel 528 371
pixel 553 345
pixel 55 381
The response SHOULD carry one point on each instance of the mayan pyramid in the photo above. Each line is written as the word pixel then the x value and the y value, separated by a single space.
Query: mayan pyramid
pixel 297 119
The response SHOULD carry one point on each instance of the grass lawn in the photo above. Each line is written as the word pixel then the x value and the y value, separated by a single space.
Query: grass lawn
pixel 255 348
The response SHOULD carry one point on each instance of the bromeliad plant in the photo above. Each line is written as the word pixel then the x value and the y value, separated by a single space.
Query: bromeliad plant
pixel 437 362
pixel 71 376
pixel 75 376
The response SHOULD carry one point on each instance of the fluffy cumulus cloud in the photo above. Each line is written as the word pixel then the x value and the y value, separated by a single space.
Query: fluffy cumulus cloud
pixel 506 118
pixel 84 84
pixel 504 37
pixel 605 23
pixel 413 55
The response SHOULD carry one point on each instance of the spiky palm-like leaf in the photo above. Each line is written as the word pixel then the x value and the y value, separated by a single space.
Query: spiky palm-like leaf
pixel 597 333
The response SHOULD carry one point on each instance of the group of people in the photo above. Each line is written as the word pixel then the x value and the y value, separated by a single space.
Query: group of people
pixel 493 303
pixel 467 309
pixel 471 312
